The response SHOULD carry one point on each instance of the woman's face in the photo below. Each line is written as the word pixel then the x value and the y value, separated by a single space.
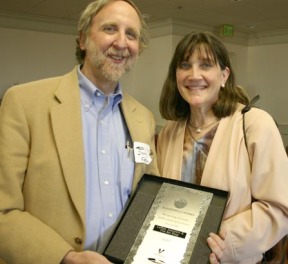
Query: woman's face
pixel 199 80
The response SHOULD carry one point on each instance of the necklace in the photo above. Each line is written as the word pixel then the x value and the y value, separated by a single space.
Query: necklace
pixel 199 129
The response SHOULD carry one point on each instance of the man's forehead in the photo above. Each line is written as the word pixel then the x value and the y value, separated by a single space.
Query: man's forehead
pixel 113 15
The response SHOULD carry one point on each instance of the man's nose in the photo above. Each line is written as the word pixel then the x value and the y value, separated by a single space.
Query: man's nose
pixel 120 40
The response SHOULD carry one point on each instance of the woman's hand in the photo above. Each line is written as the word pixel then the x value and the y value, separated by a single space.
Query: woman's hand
pixel 217 246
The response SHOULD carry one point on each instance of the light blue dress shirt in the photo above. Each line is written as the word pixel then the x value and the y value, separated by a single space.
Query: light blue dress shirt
pixel 109 164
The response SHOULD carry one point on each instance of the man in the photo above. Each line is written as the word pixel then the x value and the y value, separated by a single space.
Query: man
pixel 67 163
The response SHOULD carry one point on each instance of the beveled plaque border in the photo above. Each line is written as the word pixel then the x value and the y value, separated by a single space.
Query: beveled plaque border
pixel 138 207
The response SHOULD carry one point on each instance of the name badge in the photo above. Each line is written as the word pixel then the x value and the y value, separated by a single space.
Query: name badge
pixel 142 153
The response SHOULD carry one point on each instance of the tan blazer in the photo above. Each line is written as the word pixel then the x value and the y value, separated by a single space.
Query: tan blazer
pixel 42 178
pixel 252 228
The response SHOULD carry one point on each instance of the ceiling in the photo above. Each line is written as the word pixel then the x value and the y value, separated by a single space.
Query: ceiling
pixel 256 16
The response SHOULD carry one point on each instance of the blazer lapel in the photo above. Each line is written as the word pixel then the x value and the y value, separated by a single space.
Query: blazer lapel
pixel 67 129
pixel 134 124
pixel 134 121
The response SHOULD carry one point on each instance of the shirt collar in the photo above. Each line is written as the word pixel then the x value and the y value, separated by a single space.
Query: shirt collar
pixel 88 90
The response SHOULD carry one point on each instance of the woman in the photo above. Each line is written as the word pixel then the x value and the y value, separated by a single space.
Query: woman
pixel 203 143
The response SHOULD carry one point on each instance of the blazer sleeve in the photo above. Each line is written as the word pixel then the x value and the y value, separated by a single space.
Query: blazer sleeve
pixel 264 222
pixel 25 239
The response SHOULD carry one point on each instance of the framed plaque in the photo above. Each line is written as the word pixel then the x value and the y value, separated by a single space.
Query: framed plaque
pixel 167 221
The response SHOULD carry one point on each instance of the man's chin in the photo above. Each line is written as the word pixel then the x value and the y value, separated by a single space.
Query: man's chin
pixel 114 77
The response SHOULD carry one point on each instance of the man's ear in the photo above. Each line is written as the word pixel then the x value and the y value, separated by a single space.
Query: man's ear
pixel 82 41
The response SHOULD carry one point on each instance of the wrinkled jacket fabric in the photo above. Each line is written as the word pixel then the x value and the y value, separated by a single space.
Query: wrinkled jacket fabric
pixel 252 226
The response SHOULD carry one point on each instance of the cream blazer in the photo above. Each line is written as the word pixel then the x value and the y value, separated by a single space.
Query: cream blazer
pixel 42 178
pixel 252 227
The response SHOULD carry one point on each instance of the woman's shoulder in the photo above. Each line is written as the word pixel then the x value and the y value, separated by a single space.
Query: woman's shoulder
pixel 256 119
pixel 173 126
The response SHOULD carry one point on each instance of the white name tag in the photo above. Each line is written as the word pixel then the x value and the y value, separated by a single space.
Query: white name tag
pixel 142 153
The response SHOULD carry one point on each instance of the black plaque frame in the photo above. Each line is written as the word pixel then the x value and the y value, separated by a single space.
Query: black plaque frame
pixel 138 207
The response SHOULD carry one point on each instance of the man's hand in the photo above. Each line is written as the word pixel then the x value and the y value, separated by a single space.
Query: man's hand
pixel 85 257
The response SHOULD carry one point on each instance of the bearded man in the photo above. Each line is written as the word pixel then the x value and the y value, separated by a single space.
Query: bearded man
pixel 67 165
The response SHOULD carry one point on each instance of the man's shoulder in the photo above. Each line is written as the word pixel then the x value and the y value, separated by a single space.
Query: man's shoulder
pixel 38 85
pixel 133 103
pixel 38 91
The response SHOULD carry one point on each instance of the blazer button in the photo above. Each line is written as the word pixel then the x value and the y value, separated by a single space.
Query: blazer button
pixel 78 240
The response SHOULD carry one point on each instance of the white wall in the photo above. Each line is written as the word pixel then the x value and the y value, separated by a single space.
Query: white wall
pixel 268 77
pixel 30 55
pixel 239 60
pixel 145 80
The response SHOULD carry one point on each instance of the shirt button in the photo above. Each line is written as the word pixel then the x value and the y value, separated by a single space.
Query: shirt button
pixel 103 151
pixel 86 107
pixel 110 215
pixel 78 240
pixel 98 93
pixel 106 182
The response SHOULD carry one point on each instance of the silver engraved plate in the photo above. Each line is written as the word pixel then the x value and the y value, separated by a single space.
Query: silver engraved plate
pixel 170 230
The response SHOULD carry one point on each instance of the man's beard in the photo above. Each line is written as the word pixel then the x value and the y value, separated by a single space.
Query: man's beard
pixel 110 70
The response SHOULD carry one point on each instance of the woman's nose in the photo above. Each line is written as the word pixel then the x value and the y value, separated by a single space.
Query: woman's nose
pixel 194 73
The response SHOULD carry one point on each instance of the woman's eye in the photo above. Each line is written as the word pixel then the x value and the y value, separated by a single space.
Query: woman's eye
pixel 184 65
pixel 206 65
